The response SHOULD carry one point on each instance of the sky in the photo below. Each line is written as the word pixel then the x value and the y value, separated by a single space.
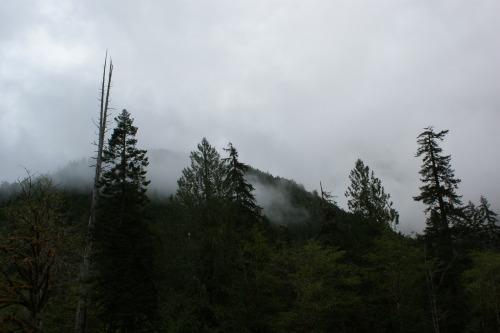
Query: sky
pixel 301 88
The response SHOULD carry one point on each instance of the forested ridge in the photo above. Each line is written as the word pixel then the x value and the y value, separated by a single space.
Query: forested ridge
pixel 208 258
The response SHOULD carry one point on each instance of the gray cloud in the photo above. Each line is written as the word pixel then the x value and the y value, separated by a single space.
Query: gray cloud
pixel 302 88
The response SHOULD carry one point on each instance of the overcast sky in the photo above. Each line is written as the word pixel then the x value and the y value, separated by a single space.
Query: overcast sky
pixel 301 88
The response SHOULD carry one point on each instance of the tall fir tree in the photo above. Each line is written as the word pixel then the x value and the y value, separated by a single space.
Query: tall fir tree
pixel 239 189
pixel 202 186
pixel 205 200
pixel 490 229
pixel 124 254
pixel 438 191
pixel 466 229
pixel 366 197
pixel 444 207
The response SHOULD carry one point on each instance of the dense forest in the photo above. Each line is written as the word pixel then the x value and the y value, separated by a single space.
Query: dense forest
pixel 208 259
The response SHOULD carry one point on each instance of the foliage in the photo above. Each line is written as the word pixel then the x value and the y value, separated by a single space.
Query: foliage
pixel 32 254
pixel 438 191
pixel 324 290
pixel 490 229
pixel 239 189
pixel 209 259
pixel 482 282
pixel 124 254
pixel 396 273
pixel 366 196
pixel 202 186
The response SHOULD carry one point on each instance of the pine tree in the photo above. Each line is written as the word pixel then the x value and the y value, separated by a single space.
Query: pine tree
pixel 444 209
pixel 367 197
pixel 489 225
pixel 239 190
pixel 438 191
pixel 124 254
pixel 204 197
pixel 466 228
pixel 202 186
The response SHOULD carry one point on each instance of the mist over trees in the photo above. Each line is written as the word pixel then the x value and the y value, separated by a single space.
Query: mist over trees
pixel 206 255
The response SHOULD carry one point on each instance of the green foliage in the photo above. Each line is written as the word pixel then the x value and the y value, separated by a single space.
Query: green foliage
pixel 202 186
pixel 124 254
pixel 32 259
pixel 490 229
pixel 467 229
pixel 366 197
pixel 263 288
pixel 476 228
pixel 205 223
pixel 209 260
pixel 482 283
pixel 396 275
pixel 438 191
pixel 324 290
pixel 240 190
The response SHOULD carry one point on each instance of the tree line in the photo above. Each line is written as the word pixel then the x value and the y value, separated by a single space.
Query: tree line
pixel 207 259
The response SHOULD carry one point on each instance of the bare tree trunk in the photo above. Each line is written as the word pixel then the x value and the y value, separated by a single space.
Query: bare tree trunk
pixel 81 311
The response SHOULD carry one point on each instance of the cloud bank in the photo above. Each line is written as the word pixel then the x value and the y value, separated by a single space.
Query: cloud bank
pixel 301 88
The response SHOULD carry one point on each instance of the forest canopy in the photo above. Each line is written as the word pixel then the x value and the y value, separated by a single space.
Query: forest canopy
pixel 208 258
pixel 116 257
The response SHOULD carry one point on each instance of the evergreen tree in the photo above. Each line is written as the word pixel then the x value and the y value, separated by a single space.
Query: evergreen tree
pixel 239 190
pixel 482 282
pixel 490 229
pixel 467 229
pixel 205 199
pixel 330 229
pixel 124 254
pixel 438 191
pixel 445 211
pixel 202 186
pixel 396 272
pixel 366 196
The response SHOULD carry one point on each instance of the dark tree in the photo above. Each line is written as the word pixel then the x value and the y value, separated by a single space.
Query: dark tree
pixel 239 189
pixel 124 253
pixel 202 186
pixel 466 229
pixel 208 196
pixel 444 209
pixel 438 191
pixel 30 254
pixel 81 311
pixel 366 196
pixel 489 225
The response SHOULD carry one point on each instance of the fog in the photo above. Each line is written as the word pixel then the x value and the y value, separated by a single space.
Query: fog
pixel 302 88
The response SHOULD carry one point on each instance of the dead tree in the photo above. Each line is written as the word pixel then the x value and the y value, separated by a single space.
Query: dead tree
pixel 81 312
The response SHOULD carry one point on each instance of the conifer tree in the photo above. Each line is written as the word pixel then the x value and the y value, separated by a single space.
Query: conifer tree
pixel 467 228
pixel 489 225
pixel 124 254
pixel 438 191
pixel 366 196
pixel 239 190
pixel 445 211
pixel 202 186
pixel 205 200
